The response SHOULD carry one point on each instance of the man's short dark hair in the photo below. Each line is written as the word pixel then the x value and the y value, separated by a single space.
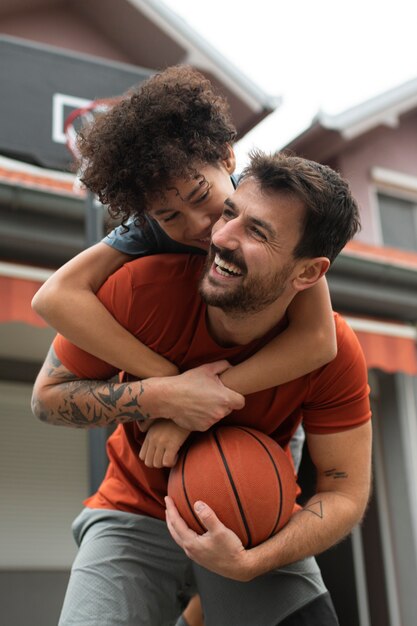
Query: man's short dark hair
pixel 161 131
pixel 331 213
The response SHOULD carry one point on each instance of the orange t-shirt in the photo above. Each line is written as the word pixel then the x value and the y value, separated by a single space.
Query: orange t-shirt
pixel 157 300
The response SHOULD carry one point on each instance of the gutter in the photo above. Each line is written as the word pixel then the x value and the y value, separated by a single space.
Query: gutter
pixel 370 287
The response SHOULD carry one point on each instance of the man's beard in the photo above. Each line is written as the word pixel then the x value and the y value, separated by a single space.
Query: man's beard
pixel 252 296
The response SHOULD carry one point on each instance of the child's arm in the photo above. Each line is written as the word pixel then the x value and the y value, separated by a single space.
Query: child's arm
pixel 308 343
pixel 162 442
pixel 67 301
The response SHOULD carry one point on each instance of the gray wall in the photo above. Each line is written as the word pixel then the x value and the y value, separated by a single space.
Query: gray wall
pixel 31 597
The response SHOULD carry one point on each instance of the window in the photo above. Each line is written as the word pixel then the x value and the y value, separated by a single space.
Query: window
pixel 398 222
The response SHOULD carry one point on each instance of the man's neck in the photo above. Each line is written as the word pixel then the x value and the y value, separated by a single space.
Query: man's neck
pixel 229 329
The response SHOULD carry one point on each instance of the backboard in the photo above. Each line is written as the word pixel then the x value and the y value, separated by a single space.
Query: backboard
pixel 41 86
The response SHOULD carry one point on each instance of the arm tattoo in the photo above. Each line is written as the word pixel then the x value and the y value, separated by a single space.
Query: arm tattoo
pixel 335 473
pixel 87 403
pixel 316 508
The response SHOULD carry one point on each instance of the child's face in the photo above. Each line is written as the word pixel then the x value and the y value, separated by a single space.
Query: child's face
pixel 189 208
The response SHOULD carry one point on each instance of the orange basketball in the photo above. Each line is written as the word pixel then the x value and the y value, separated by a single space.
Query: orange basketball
pixel 243 475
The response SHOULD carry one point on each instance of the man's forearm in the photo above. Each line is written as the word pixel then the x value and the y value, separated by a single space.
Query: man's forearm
pixel 324 521
pixel 89 403
pixel 195 400
pixel 343 464
pixel 61 398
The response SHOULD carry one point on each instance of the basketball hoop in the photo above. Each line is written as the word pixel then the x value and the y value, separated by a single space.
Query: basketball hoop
pixel 82 116
pixel 77 120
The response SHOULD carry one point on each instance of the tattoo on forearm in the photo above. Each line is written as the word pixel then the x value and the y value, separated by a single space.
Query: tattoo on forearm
pixel 88 403
pixel 335 473
pixel 316 508
pixel 56 369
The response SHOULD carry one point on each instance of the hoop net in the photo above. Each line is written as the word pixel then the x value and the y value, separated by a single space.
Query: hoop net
pixel 78 119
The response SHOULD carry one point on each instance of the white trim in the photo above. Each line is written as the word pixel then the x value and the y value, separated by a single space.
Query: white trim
pixel 18 166
pixel 375 215
pixel 402 331
pixel 384 109
pixel 408 417
pixel 383 509
pixel 59 102
pixel 360 576
pixel 27 272
pixel 386 118
pixel 394 179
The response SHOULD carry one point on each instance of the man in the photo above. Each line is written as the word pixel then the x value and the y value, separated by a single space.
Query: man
pixel 277 236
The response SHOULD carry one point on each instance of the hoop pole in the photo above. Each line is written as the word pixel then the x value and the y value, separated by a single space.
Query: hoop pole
pixel 93 228
pixel 97 437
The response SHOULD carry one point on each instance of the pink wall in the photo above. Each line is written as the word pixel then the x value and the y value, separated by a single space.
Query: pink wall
pixel 390 148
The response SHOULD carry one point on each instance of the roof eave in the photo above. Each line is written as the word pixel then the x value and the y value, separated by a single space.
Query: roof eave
pixel 204 55
pixel 368 287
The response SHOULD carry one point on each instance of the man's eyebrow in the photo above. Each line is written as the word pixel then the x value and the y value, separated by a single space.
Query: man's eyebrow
pixel 265 225
pixel 254 220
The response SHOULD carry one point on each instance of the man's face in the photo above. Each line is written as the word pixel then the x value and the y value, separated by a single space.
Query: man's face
pixel 189 207
pixel 250 262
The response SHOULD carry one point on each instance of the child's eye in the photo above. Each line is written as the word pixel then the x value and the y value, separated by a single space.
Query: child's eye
pixel 170 217
pixel 203 197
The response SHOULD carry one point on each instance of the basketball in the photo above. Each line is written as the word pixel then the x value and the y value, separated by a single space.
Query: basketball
pixel 242 474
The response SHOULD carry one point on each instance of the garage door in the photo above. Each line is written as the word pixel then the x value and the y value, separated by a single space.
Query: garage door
pixel 43 480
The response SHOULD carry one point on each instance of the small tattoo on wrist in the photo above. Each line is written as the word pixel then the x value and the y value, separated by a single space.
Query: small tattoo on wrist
pixel 335 474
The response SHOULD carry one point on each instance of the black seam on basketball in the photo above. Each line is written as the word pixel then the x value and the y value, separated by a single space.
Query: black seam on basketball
pixel 186 494
pixel 236 494
pixel 276 472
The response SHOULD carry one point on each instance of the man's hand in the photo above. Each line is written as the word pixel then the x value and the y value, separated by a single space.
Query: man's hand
pixel 218 550
pixel 163 440
pixel 197 399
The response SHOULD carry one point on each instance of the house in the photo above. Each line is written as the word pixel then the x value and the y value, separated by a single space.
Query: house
pixel 374 283
pixel 55 57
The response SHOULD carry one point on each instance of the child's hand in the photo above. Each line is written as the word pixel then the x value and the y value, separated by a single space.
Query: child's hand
pixel 162 442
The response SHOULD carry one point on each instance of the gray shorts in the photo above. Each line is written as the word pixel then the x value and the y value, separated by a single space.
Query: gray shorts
pixel 130 572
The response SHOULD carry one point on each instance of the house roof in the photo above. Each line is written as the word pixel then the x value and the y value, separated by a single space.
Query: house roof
pixel 146 33
pixel 384 109
pixel 335 130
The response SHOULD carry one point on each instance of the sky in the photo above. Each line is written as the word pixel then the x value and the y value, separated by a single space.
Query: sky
pixel 317 55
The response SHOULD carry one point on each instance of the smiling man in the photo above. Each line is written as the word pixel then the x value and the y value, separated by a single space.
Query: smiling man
pixel 250 261
pixel 277 236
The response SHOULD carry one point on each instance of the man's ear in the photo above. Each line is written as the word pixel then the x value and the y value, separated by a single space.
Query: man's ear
pixel 310 272
pixel 229 161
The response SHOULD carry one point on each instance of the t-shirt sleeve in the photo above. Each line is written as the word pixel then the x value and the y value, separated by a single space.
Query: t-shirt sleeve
pixel 338 397
pixel 146 240
pixel 136 241
pixel 116 296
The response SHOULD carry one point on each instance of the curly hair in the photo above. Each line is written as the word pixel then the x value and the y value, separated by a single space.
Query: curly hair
pixel 157 133
pixel 332 215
